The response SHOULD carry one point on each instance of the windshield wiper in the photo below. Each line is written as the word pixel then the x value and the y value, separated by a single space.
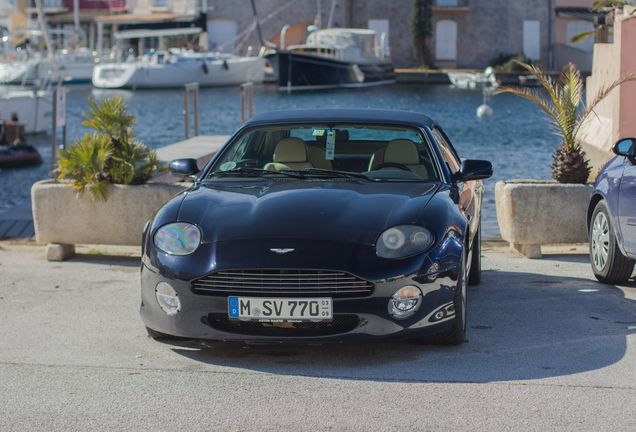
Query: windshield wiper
pixel 258 171
pixel 332 173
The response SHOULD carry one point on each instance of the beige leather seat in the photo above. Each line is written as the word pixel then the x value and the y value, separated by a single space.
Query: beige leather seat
pixel 289 154
pixel 317 157
pixel 401 151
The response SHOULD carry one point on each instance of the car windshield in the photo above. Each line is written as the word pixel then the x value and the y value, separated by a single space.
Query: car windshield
pixel 328 151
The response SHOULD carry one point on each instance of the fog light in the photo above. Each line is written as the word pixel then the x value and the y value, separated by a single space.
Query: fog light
pixel 443 313
pixel 405 302
pixel 167 298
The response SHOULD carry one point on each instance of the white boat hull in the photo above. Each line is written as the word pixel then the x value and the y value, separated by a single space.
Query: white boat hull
pixel 73 69
pixel 230 72
pixel 14 71
pixel 33 108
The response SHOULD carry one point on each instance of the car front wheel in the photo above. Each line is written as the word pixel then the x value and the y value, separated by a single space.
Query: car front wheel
pixel 474 275
pixel 457 334
pixel 608 263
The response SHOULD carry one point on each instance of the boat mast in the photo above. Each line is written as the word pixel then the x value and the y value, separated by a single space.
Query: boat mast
pixel 47 40
pixel 331 12
pixel 258 26
pixel 76 27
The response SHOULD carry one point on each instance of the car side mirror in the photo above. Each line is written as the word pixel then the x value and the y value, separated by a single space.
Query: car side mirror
pixel 625 147
pixel 183 167
pixel 473 169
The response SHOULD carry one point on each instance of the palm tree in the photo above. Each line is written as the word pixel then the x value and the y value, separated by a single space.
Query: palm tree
pixel 421 28
pixel 108 156
pixel 608 6
pixel 562 109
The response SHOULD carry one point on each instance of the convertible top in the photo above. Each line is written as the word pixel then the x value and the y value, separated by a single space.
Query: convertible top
pixel 362 115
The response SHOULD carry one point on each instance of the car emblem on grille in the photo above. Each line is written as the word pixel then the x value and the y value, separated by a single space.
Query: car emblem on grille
pixel 281 250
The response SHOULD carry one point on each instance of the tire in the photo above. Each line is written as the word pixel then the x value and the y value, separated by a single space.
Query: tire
pixel 456 335
pixel 608 263
pixel 474 275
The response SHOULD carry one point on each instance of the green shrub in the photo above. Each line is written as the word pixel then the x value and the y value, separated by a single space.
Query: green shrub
pixel 109 156
pixel 509 62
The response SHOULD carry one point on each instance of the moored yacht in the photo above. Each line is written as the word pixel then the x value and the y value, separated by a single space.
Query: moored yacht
pixel 33 107
pixel 30 66
pixel 331 58
pixel 177 66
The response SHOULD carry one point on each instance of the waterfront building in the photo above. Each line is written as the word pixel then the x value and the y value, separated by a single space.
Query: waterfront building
pixel 466 34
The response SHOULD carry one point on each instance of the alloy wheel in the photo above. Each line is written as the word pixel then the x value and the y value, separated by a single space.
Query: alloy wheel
pixel 600 240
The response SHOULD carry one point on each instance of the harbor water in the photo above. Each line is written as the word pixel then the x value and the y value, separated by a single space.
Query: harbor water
pixel 516 139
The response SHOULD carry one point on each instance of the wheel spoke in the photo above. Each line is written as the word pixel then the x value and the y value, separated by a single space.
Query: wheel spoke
pixel 600 240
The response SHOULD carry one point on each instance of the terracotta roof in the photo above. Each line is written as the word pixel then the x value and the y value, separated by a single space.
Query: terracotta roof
pixel 84 15
pixel 145 18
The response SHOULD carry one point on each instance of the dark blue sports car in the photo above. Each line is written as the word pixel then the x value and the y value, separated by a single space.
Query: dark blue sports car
pixel 611 216
pixel 319 225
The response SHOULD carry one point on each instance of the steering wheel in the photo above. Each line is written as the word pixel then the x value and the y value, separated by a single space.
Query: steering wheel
pixel 391 165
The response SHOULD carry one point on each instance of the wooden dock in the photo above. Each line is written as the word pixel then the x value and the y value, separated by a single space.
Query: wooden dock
pixel 17 222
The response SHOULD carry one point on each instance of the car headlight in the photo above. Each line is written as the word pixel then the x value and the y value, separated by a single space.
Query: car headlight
pixel 403 241
pixel 178 238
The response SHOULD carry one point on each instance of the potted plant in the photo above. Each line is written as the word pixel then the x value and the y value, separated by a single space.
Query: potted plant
pixel 114 169
pixel 532 212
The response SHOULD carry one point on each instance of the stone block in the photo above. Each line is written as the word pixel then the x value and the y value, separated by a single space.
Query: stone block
pixel 59 252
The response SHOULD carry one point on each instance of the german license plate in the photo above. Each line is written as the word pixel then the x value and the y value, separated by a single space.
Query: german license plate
pixel 280 309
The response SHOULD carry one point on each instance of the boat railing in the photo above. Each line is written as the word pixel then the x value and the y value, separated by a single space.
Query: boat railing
pixel 283 32
pixel 384 51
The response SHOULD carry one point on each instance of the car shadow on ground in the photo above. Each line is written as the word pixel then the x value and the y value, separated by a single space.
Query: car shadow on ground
pixel 521 326
pixel 109 260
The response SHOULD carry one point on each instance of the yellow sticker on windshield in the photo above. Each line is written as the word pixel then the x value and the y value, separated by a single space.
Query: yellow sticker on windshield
pixel 319 132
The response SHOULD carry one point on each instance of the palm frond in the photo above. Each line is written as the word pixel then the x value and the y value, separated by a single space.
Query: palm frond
pixel 109 155
pixel 100 191
pixel 533 95
pixel 603 92
pixel 601 4
pixel 566 96
pixel 548 83
pixel 580 37
pixel 110 117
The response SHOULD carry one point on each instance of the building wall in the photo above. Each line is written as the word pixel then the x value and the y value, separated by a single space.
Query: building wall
pixel 614 116
pixel 487 28
pixel 274 14
pixel 398 12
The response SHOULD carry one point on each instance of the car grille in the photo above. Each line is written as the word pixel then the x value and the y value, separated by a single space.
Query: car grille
pixel 339 324
pixel 303 283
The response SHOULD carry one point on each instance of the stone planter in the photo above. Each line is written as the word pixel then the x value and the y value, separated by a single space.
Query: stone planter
pixel 63 219
pixel 532 213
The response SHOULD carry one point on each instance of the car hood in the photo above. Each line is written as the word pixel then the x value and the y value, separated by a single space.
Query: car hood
pixel 345 211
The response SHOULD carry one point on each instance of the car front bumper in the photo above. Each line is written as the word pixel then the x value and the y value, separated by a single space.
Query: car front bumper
pixel 205 316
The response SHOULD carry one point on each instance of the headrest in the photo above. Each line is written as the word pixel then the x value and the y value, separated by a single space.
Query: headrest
pixel 402 151
pixel 290 150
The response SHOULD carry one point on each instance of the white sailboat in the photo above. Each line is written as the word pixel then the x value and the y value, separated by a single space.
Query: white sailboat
pixel 474 79
pixel 177 66
pixel 33 107
pixel 33 67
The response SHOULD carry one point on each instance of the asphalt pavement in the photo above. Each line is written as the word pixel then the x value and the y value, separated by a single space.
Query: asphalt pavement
pixel 549 349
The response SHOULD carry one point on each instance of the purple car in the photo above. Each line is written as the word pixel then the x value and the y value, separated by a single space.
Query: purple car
pixel 611 216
